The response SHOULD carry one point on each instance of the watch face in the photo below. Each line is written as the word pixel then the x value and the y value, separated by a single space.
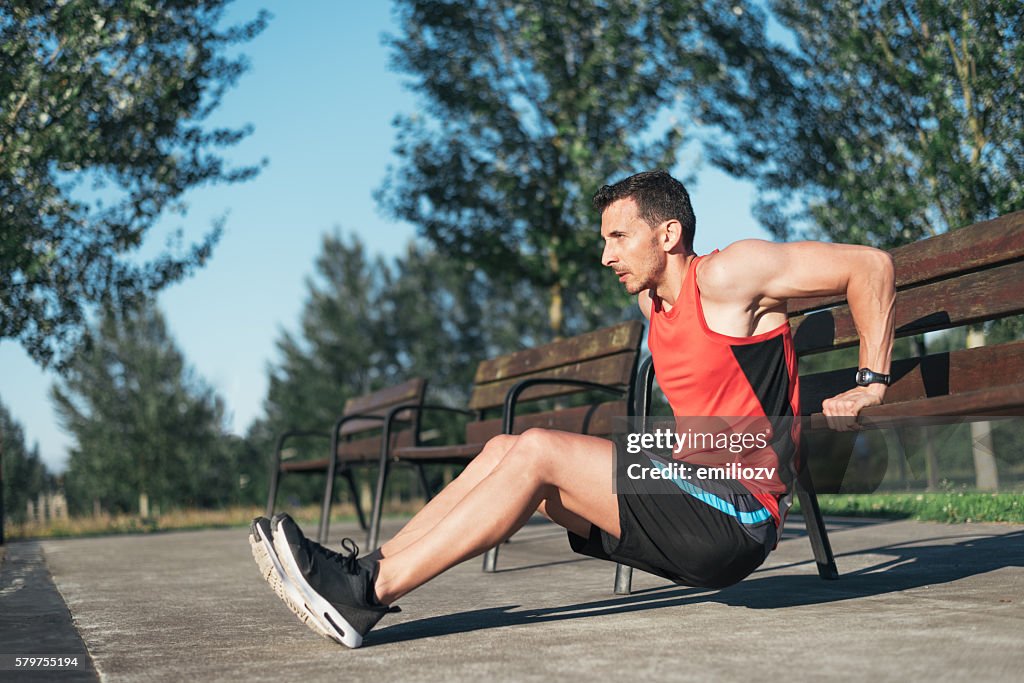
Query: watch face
pixel 863 377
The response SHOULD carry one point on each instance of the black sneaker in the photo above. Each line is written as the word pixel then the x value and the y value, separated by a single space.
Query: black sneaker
pixel 262 544
pixel 337 588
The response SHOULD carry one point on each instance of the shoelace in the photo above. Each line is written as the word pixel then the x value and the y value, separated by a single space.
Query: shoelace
pixel 348 561
pixel 348 545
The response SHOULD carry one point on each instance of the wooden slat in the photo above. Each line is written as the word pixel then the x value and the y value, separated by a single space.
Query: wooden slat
pixel 358 450
pixel 618 338
pixel 938 374
pixel 379 401
pixel 314 465
pixel 356 426
pixel 616 370
pixel 984 295
pixel 985 244
pixel 997 402
pixel 460 453
pixel 590 419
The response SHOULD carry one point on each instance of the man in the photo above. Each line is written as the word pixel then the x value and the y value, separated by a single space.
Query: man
pixel 721 346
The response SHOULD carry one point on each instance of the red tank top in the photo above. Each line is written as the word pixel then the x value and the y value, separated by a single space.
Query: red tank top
pixel 704 373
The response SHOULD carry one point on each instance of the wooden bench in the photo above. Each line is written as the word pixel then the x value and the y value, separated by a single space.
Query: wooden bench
pixel 967 276
pixel 355 439
pixel 603 362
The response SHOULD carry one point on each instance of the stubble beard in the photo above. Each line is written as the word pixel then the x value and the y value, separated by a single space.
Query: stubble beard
pixel 636 284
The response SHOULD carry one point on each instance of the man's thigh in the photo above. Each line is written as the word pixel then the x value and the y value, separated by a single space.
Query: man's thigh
pixel 578 471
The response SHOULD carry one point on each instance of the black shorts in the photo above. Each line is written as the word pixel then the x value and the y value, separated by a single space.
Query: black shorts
pixel 697 533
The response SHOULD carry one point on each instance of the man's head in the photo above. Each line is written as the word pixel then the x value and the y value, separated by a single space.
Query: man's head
pixel 659 198
pixel 644 219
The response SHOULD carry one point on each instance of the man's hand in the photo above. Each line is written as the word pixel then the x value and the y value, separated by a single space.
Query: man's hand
pixel 841 411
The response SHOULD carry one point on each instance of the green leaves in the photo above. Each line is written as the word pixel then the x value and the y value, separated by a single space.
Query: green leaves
pixel 886 123
pixel 529 108
pixel 141 420
pixel 101 110
pixel 24 474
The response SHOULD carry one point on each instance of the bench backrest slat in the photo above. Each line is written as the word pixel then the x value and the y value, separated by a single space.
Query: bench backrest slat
pixel 968 276
pixel 590 419
pixel 977 296
pixel 983 245
pixel 380 402
pixel 369 448
pixel 937 374
pixel 624 337
pixel 605 356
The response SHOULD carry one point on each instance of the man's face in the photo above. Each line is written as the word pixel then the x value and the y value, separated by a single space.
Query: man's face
pixel 631 247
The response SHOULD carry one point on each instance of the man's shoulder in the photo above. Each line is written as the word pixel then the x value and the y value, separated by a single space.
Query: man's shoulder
pixel 741 251
pixel 726 271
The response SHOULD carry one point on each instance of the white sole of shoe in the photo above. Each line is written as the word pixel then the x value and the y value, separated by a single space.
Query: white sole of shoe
pixel 344 632
pixel 274 574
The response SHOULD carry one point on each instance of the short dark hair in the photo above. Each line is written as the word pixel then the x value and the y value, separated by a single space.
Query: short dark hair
pixel 659 197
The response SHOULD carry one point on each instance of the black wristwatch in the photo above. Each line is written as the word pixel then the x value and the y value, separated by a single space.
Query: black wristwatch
pixel 866 377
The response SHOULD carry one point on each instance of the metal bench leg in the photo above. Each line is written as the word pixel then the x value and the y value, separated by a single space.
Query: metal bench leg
pixel 275 476
pixel 491 559
pixel 373 537
pixel 623 579
pixel 423 481
pixel 816 526
pixel 355 498
pixel 325 508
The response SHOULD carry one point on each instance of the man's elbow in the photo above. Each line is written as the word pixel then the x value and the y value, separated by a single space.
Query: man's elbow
pixel 879 269
pixel 884 265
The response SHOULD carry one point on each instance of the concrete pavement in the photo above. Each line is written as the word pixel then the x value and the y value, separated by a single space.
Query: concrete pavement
pixel 915 601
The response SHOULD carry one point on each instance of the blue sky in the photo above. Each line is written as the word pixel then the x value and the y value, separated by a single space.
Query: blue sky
pixel 321 99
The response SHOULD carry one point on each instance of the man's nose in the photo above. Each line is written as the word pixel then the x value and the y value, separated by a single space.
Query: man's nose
pixel 607 256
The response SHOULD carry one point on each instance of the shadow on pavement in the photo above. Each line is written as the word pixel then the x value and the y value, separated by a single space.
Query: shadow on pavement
pixel 907 565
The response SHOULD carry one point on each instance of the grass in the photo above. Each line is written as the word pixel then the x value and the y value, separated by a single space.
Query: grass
pixel 180 520
pixel 935 507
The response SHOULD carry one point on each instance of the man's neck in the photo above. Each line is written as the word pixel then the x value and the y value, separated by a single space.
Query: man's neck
pixel 671 282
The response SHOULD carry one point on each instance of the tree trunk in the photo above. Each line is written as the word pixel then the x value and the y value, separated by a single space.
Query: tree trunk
pixel 986 475
pixel 556 312
pixel 556 307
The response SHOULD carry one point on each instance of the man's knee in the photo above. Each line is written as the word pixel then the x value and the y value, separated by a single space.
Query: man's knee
pixel 494 451
pixel 533 451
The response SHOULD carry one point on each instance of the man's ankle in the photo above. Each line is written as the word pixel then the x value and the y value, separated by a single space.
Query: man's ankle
pixel 382 585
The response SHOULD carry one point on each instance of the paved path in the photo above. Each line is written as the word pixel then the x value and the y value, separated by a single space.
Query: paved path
pixel 916 601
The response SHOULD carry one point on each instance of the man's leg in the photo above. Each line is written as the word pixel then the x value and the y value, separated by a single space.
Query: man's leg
pixel 439 506
pixel 568 476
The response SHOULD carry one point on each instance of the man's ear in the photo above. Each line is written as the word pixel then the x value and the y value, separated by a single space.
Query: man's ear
pixel 672 239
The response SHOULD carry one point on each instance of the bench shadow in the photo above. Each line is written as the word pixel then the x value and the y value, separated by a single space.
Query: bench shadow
pixel 907 565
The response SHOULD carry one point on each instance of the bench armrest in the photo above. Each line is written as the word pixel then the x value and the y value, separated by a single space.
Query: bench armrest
pixel 512 397
pixel 293 433
pixel 418 408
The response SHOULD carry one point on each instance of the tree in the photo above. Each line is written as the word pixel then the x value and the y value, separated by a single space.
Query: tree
pixel 24 475
pixel 102 109
pixel 529 108
pixel 370 323
pixel 886 122
pixel 142 421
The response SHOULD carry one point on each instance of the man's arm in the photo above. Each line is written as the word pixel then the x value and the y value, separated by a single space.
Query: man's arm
pixel 766 274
